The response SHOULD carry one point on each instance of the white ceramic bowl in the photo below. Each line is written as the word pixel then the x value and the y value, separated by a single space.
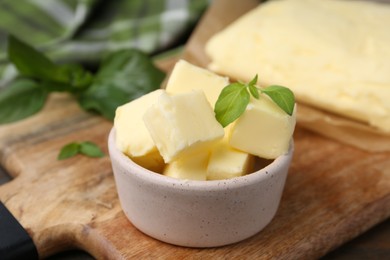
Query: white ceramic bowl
pixel 198 213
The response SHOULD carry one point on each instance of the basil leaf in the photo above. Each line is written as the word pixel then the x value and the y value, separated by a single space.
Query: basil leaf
pixel 253 81
pixel 123 76
pixel 21 99
pixel 68 151
pixel 282 96
pixel 34 64
pixel 253 90
pixel 90 149
pixel 231 103
pixel 29 61
pixel 87 148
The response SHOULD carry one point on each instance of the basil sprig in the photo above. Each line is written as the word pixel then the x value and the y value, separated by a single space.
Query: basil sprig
pixel 121 77
pixel 235 97
pixel 86 148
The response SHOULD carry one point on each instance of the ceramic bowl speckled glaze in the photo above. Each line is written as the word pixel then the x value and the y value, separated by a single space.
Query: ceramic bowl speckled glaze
pixel 198 213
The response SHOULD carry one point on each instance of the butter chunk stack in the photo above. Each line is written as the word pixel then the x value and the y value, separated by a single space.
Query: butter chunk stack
pixel 225 161
pixel 333 54
pixel 175 132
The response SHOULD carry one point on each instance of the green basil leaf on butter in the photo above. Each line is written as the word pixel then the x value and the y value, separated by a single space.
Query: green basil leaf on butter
pixel 123 76
pixel 234 99
pixel 231 103
pixel 282 96
pixel 21 99
pixel 253 81
pixel 253 89
pixel 90 149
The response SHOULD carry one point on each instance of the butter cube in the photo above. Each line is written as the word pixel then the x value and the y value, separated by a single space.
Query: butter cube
pixel 132 137
pixel 186 77
pixel 226 162
pixel 182 124
pixel 264 129
pixel 192 167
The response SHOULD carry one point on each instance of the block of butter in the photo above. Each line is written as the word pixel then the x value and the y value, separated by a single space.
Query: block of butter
pixel 186 77
pixel 193 167
pixel 132 137
pixel 264 129
pixel 333 54
pixel 182 124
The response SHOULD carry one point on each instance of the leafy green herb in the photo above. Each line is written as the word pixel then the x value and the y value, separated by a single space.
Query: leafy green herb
pixel 29 61
pixel 122 77
pixel 90 149
pixel 68 151
pixel 282 96
pixel 234 99
pixel 87 148
pixel 231 103
pixel 21 99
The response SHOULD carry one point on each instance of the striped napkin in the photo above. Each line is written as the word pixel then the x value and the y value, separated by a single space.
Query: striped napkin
pixel 83 31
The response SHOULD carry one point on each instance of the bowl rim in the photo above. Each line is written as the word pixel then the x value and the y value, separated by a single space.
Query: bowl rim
pixel 162 180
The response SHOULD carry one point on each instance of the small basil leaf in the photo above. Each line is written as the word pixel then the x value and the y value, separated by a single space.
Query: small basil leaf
pixel 21 99
pixel 123 76
pixel 68 151
pixel 29 61
pixel 282 96
pixel 254 91
pixel 90 149
pixel 253 81
pixel 231 103
pixel 33 63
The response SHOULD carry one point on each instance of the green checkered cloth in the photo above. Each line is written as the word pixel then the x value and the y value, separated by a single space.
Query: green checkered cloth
pixel 83 31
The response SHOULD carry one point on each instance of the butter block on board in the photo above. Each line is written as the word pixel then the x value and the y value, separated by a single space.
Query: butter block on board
pixel 132 137
pixel 227 162
pixel 193 167
pixel 264 129
pixel 333 54
pixel 182 124
pixel 186 77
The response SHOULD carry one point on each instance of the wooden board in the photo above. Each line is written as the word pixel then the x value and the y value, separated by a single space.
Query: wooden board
pixel 333 192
